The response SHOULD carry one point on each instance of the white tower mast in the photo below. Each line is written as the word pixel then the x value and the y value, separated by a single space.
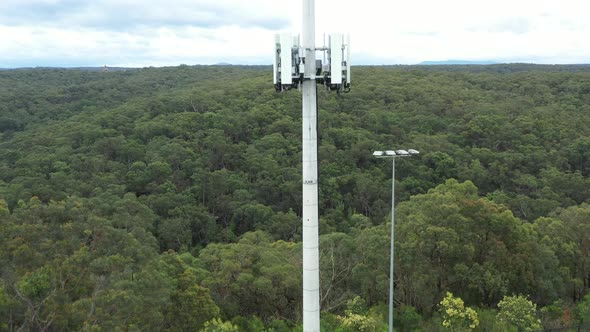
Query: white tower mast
pixel 311 255
pixel 295 66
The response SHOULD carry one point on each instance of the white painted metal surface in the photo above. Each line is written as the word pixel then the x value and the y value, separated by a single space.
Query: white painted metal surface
pixel 277 59
pixel 336 58
pixel 295 66
pixel 286 58
pixel 311 256
pixel 348 59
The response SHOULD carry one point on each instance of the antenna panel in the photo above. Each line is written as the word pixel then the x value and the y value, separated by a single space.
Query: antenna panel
pixel 348 60
pixel 286 59
pixel 277 59
pixel 301 63
pixel 336 58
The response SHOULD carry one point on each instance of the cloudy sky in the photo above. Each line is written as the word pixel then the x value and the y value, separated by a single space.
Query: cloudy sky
pixel 138 33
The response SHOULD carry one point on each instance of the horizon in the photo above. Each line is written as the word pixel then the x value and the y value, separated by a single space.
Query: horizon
pixel 424 63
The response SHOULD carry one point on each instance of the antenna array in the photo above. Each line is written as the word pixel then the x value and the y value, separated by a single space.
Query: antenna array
pixel 296 66
pixel 289 63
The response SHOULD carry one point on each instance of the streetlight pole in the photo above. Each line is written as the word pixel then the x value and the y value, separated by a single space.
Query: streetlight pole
pixel 393 154
pixel 391 246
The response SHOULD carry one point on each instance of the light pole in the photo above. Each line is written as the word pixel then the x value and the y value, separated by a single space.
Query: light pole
pixel 393 154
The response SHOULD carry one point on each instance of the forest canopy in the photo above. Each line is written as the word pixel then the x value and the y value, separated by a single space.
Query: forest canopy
pixel 169 199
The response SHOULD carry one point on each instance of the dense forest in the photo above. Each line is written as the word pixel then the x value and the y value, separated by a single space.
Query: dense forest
pixel 169 199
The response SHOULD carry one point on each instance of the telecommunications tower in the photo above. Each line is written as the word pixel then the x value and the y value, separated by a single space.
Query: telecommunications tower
pixel 295 66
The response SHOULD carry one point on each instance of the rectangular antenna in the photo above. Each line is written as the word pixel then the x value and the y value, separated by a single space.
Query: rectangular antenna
pixel 348 60
pixel 277 59
pixel 286 59
pixel 336 58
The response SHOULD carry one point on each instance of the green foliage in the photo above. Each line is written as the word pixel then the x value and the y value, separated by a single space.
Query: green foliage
pixel 583 310
pixel 248 324
pixel 356 322
pixel 3 208
pixel 567 233
pixel 277 325
pixel 357 306
pixel 190 307
pixel 520 312
pixel 552 316
pixel 457 317
pixel 488 322
pixel 131 199
pixel 3 296
pixel 451 239
pixel 359 318
pixel 217 325
pixel 71 268
pixel 254 276
pixel 407 319
pixel 35 284
pixel 4 306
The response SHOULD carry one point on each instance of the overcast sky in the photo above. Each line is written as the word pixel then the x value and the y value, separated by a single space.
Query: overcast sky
pixel 138 33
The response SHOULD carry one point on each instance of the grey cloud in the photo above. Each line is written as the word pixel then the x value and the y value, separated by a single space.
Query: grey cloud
pixel 14 12
pixel 516 25
pixel 128 15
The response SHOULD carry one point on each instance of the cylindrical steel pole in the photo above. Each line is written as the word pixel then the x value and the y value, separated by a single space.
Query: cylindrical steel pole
pixel 311 272
pixel 392 241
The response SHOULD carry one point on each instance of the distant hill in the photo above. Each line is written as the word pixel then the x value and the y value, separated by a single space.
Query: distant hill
pixel 102 68
pixel 458 62
pixel 74 68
